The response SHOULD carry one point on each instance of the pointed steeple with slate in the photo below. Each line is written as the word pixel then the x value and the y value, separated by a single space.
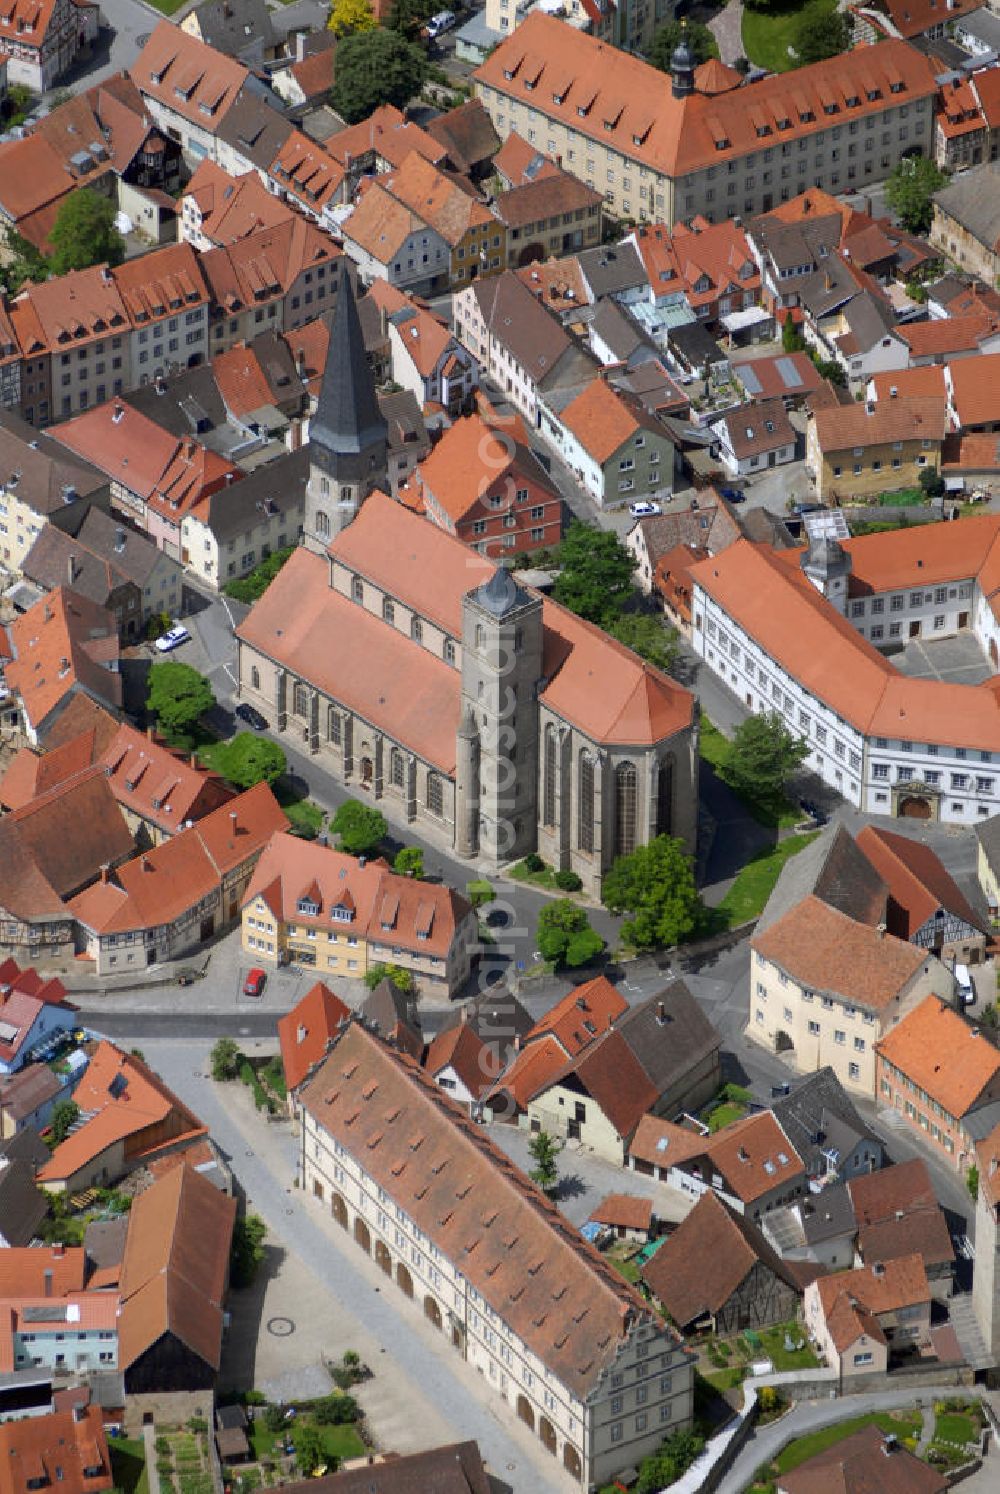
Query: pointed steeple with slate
pixel 348 435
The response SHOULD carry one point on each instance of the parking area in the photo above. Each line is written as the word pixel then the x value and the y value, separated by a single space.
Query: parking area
pixel 959 660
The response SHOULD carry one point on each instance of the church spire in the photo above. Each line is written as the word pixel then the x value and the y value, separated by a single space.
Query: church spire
pixel 348 435
pixel 347 419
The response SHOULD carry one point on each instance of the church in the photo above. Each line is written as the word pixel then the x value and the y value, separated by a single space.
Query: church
pixel 428 680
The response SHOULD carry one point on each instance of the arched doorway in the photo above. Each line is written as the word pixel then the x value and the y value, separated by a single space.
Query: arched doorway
pixel 382 1257
pixel 404 1281
pixel 547 1432
pixel 571 1461
pixel 432 1312
pixel 525 1412
pixel 915 807
pixel 338 1209
pixel 367 772
pixel 362 1235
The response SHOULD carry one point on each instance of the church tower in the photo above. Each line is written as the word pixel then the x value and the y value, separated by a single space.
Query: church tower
pixel 828 566
pixel 348 437
pixel 501 670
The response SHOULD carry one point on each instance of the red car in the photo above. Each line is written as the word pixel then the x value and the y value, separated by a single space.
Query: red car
pixel 254 983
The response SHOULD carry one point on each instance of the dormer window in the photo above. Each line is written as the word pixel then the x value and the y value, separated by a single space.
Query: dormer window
pixel 308 907
pixel 340 914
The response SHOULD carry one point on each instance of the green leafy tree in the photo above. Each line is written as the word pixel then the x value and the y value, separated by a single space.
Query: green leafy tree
pixel 225 1059
pixel 250 588
pixel 249 1234
pixel 596 576
pixel 65 1114
pixel 407 16
pixel 350 17
pixel 647 635
pixel 972 1182
pixel 820 33
pixel 24 261
pixel 910 192
pixel 792 340
pixel 249 759
pixel 373 68
pixel 656 886
pixel 84 233
pixel 308 1443
pixel 409 862
pixel 764 755
pixel 274 1419
pixel 931 481
pixel 544 1150
pixel 335 1410
pixel 671 1461
pixel 361 828
pixel 666 39
pixel 564 934
pixel 401 979
pixel 829 368
pixel 178 695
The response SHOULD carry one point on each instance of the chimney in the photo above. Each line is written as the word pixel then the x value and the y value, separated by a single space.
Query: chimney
pixel 893 392
pixel 48 1283
pixel 880 930
pixel 149 734
pixel 145 863
pixel 362 860
pixel 105 874
pixel 300 362
pixel 300 1033
pixel 70 569
pixel 58 1251
pixel 229 478
pixel 300 45
pixel 661 1012
pixel 463 1016
pixel 193 759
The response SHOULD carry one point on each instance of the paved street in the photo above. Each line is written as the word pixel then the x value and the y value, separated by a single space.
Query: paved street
pixel 440 1397
pixel 127 24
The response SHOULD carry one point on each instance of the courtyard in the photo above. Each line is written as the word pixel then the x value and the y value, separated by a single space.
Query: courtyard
pixel 958 660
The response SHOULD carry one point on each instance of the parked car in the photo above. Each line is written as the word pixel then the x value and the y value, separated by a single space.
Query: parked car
pixel 733 495
pixel 255 982
pixel 173 638
pixel 440 23
pixel 252 718
pixel 644 509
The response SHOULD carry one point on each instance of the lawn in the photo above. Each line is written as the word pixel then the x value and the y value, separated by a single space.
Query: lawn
pixel 767 35
pixel 904 1424
pixel 903 498
pixel 716 749
pixel 725 1379
pixel 342 1442
pixel 773 1344
pixel 955 1426
pixel 128 1465
pixel 754 883
pixel 166 7
pixel 729 1105
pixel 544 878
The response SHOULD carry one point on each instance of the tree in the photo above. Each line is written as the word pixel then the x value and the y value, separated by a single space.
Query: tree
pixel 24 261
pixel 178 695
pixel 401 979
pixel 972 1182
pixel 647 635
pixel 666 39
pixel 792 340
pixel 250 588
pixel 910 191
pixel 249 759
pixel 829 368
pixel 764 755
pixel 820 33
pixel 409 862
pixel 596 576
pixel 931 481
pixel 225 1059
pixel 84 233
pixel 564 934
pixel 247 1252
pixel 351 17
pixel 65 1114
pixel 671 1461
pixel 373 68
pixel 656 885
pixel 544 1150
pixel 308 1443
pixel 360 827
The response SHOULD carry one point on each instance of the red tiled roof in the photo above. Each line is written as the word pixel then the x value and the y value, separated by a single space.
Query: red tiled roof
pixel 187 77
pixel 918 884
pixel 305 1032
pixel 61 1448
pixel 938 1050
pixel 624 1210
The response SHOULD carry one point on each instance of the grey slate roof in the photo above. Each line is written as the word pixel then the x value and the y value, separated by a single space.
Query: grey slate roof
pixel 669 1034
pixel 254 128
pixel 47 474
pixel 810 1111
pixel 239 28
pixel 282 483
pixel 610 269
pixel 347 418
pixel 496 1017
pixel 23 1206
pixel 695 345
pixel 833 869
pixel 104 1241
pixel 106 555
pixel 973 200
pixel 187 404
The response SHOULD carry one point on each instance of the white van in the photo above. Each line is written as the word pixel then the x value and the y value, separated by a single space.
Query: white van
pixel 966 990
pixel 442 22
